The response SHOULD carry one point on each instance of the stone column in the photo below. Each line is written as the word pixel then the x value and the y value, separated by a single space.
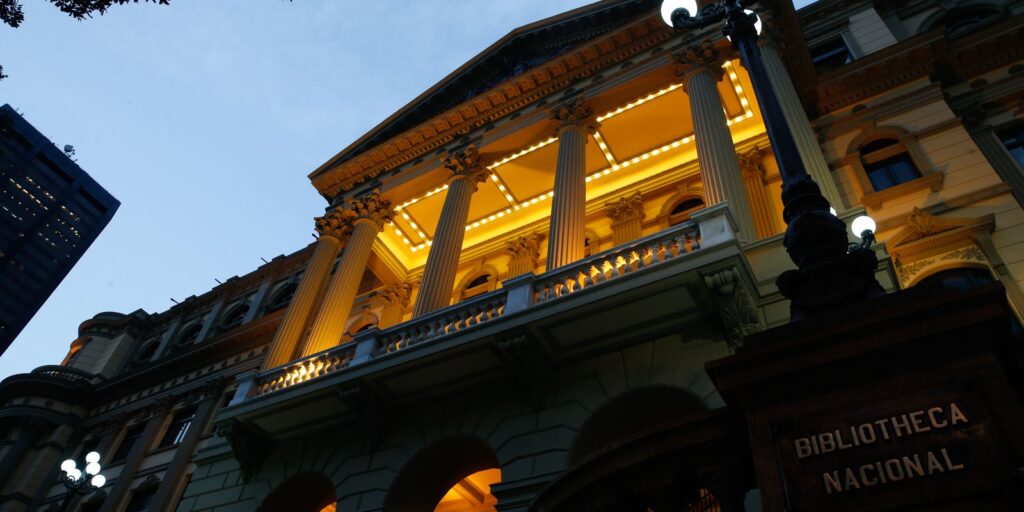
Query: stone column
pixel 569 204
pixel 334 231
pixel 762 208
pixel 365 216
pixel 465 171
pixel 700 69
pixel 523 253
pixel 796 117
pixel 173 481
pixel 122 485
pixel 24 438
pixel 627 216
pixel 396 300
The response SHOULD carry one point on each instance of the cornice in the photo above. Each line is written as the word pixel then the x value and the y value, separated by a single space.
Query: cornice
pixel 510 96
pixel 930 55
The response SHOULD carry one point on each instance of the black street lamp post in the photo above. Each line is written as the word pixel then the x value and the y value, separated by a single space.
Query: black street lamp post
pixel 830 272
pixel 79 483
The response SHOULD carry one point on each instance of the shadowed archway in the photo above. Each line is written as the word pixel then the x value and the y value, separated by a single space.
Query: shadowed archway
pixel 309 492
pixel 436 470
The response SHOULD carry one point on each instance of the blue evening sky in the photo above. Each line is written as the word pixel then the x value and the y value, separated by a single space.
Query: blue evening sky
pixel 205 117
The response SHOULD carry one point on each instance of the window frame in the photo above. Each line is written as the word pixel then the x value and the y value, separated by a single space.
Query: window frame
pixel 906 143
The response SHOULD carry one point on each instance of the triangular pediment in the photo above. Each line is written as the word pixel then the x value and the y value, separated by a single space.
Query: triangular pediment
pixel 519 51
pixel 926 234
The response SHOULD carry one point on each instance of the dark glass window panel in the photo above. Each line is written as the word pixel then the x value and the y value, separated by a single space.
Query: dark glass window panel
pixel 1013 138
pixel 689 204
pixel 891 171
pixel 479 280
pixel 964 21
pixel 140 501
pixel 178 429
pixel 960 278
pixel 130 438
pixel 875 145
pixel 830 55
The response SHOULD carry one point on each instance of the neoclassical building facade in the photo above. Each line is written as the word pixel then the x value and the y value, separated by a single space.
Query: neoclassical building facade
pixel 520 276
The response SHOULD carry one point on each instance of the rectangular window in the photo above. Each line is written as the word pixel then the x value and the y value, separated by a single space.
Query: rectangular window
pixel 130 438
pixel 830 55
pixel 1013 138
pixel 178 429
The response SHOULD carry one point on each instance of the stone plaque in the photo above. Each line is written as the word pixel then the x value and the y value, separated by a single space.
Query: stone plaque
pixel 930 447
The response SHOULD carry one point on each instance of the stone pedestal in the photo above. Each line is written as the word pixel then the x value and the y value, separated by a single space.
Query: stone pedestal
pixel 897 403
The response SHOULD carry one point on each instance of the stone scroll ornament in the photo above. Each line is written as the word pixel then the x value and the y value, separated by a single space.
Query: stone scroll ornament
pixel 339 221
pixel 575 113
pixel 465 164
pixel 697 58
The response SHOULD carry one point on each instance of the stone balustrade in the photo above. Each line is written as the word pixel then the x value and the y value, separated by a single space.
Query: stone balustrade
pixel 709 227
pixel 636 256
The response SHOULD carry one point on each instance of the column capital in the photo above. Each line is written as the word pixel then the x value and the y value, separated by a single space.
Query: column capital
pixel 525 246
pixel 465 164
pixel 339 221
pixel 706 55
pixel 752 161
pixel 626 208
pixel 575 113
pixel 397 294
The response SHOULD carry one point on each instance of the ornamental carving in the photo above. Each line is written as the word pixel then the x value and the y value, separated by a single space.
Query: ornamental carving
pixel 752 161
pixel 397 294
pixel 910 272
pixel 465 164
pixel 770 35
pixel 736 306
pixel 523 253
pixel 340 221
pixel 575 113
pixel 697 58
pixel 626 208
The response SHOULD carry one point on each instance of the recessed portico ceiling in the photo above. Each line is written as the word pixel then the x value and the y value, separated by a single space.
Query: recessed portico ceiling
pixel 651 133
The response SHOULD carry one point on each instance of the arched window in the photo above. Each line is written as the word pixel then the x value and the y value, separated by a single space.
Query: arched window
pixel 146 352
pixel 190 334
pixel 283 296
pixel 478 285
pixel 235 316
pixel 887 163
pixel 965 20
pixel 682 210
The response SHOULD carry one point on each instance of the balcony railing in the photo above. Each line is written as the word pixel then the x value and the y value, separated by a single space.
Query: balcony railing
pixel 711 227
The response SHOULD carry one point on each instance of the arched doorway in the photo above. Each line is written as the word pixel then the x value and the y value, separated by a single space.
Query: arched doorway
pixel 655 449
pixel 629 414
pixel 453 475
pixel 310 492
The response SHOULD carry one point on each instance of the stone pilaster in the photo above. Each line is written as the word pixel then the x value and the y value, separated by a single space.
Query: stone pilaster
pixel 793 110
pixel 119 492
pixel 627 216
pixel 568 206
pixel 465 171
pixel 752 164
pixel 334 232
pixel 396 300
pixel 700 68
pixel 365 216
pixel 523 252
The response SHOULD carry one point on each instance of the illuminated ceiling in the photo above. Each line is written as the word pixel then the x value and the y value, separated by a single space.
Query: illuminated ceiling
pixel 636 140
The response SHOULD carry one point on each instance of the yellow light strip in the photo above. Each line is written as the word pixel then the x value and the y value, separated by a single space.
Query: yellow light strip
pixel 523 152
pixel 605 150
pixel 638 102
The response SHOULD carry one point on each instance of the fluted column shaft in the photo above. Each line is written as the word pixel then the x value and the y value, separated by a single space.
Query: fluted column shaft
pixel 566 238
pixel 443 259
pixel 296 317
pixel 701 69
pixel 799 124
pixel 330 321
